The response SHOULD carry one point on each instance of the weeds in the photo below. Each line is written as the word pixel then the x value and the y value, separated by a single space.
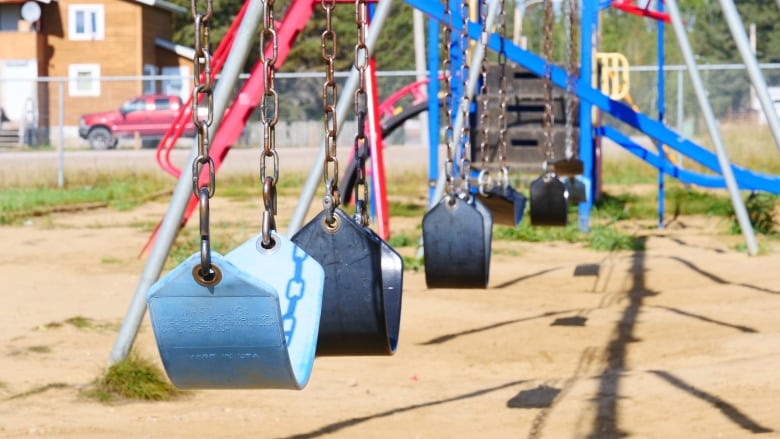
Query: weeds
pixel 133 378
pixel 402 240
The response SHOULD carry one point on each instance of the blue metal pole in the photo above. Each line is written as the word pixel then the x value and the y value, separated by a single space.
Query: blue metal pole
pixel 433 108
pixel 661 106
pixel 588 28
pixel 458 75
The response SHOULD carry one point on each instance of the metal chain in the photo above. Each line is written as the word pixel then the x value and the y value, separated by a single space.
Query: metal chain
pixel 269 116
pixel 448 100
pixel 328 47
pixel 465 141
pixel 361 110
pixel 571 20
pixel 203 89
pixel 547 120
pixel 502 123
pixel 485 181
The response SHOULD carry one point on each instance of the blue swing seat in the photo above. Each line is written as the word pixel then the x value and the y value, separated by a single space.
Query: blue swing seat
pixel 232 334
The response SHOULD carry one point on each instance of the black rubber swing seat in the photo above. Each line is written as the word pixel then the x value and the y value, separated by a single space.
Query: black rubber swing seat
pixel 361 304
pixel 505 203
pixel 549 201
pixel 457 235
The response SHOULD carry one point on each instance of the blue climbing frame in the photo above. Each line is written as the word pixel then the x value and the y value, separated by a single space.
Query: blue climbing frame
pixel 589 98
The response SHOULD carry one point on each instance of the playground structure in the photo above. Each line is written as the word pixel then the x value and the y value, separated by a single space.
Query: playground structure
pixel 732 176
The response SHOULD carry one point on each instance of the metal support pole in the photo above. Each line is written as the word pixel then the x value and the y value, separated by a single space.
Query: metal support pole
pixel 183 191
pixel 709 117
pixel 433 108
pixel 60 125
pixel 343 105
pixel 661 110
pixel 419 65
pixel 588 28
pixel 680 110
pixel 756 77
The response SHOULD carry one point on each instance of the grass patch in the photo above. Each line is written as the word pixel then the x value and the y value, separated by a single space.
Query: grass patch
pixel 407 210
pixel 607 238
pixel 247 186
pixel 39 389
pixel 761 211
pixel 526 232
pixel 403 240
pixel 412 263
pixel 79 322
pixel 134 378
pixel 39 349
pixel 109 260
pixel 118 190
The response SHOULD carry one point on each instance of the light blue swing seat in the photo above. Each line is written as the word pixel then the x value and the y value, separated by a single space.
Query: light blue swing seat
pixel 256 328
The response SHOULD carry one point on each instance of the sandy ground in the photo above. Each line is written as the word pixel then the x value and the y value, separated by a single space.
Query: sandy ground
pixel 679 341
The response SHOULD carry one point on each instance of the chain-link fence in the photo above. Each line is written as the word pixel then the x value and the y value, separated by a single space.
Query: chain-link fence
pixel 46 111
pixel 728 88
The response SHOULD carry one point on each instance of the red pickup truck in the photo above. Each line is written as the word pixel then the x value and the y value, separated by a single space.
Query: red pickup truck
pixel 150 116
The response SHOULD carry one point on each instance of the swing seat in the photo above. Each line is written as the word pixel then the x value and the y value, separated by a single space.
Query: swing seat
pixel 568 167
pixel 457 238
pixel 505 203
pixel 361 308
pixel 576 189
pixel 549 204
pixel 229 335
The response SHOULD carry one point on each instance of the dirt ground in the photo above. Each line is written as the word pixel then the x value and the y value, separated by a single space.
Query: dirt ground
pixel 679 341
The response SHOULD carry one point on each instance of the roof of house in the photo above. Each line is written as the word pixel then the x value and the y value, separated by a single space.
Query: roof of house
pixel 183 51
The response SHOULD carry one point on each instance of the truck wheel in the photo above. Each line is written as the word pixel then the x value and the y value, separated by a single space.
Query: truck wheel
pixel 100 138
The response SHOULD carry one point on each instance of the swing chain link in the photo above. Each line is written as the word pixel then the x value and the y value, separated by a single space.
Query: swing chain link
pixel 502 120
pixel 448 101
pixel 361 110
pixel 571 20
pixel 547 120
pixel 485 180
pixel 328 47
pixel 269 116
pixel 203 191
pixel 465 141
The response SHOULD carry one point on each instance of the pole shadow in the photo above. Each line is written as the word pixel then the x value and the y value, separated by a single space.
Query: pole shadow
pixel 718 279
pixel 509 283
pixel 605 425
pixel 347 423
pixel 448 337
pixel 741 328
pixel 731 412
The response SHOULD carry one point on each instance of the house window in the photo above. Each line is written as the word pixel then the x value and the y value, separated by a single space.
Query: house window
pixel 150 85
pixel 84 80
pixel 86 22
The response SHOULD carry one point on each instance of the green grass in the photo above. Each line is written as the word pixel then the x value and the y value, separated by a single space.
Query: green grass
pixel 79 322
pixel 408 210
pixel 135 378
pixel 403 240
pixel 413 263
pixel 39 349
pixel 121 191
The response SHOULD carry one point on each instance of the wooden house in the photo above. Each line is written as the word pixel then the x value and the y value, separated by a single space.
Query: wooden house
pixel 53 51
